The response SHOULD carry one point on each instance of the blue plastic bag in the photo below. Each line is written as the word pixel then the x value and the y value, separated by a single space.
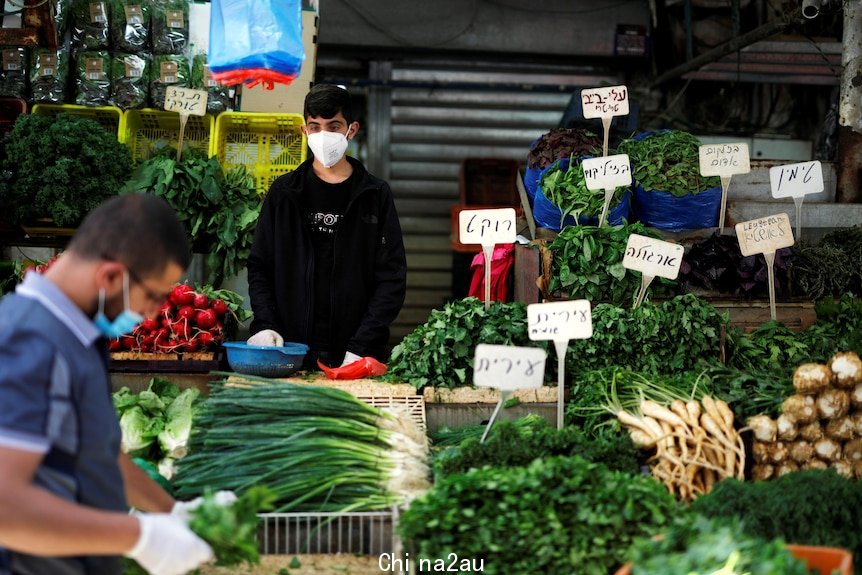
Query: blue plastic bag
pixel 548 215
pixel 666 211
pixel 263 37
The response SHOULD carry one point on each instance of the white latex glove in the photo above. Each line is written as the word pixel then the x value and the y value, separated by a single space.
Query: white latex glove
pixel 167 547
pixel 266 337
pixel 183 509
pixel 350 358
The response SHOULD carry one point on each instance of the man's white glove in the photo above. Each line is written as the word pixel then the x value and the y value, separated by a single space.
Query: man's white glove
pixel 183 509
pixel 266 337
pixel 350 358
pixel 167 547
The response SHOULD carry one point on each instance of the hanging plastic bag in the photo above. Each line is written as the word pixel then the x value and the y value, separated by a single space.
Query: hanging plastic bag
pixel 255 41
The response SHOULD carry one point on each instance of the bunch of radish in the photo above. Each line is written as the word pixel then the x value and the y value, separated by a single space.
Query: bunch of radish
pixel 188 321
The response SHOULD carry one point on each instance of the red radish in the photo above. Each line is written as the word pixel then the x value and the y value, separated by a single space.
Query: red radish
pixel 205 319
pixel 182 294
pixel 205 338
pixel 149 324
pixel 180 328
pixel 128 342
pixel 186 312
pixel 114 345
pixel 201 301
pixel 219 307
pixel 190 345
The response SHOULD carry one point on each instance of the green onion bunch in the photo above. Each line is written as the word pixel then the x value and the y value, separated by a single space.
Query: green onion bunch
pixel 317 448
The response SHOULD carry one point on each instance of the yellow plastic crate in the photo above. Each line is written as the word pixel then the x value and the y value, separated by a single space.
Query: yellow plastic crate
pixel 147 131
pixel 268 145
pixel 110 117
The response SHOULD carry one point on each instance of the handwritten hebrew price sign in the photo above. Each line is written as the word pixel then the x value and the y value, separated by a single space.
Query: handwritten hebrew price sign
pixel 605 102
pixel 186 101
pixel 507 367
pixel 764 235
pixel 560 320
pixel 653 257
pixel 607 173
pixel 487 227
pixel 724 159
pixel 795 180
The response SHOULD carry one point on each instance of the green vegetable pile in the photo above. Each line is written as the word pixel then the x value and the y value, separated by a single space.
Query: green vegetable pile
pixel 697 545
pixel 812 507
pixel 556 515
pixel 440 352
pixel 79 164
pixel 667 161
pixel 317 448
pixel 567 189
pixel 157 422
pixel 831 267
pixel 220 210
pixel 231 530
pixel 647 338
pixel 515 444
pixel 588 264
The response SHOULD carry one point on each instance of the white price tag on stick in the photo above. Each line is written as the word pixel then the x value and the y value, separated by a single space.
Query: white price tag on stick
pixel 560 322
pixel 724 161
pixel 607 173
pixel 605 103
pixel 487 228
pixel 652 258
pixel 796 181
pixel 186 102
pixel 764 236
pixel 507 368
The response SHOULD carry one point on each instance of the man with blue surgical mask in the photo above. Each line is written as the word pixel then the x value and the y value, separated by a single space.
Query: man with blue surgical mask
pixel 65 487
pixel 327 267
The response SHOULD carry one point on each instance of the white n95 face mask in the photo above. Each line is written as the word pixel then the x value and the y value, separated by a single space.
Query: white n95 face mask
pixel 327 147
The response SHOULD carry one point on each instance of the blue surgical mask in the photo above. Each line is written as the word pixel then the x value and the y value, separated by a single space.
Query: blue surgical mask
pixel 125 321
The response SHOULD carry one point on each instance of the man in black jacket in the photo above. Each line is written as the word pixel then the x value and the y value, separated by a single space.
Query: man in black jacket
pixel 327 267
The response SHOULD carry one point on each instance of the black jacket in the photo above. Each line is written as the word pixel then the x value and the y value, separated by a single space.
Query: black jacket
pixel 369 278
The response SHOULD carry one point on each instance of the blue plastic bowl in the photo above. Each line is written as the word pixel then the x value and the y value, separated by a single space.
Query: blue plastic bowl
pixel 265 361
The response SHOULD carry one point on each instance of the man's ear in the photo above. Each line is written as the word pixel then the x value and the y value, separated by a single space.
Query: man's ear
pixel 352 129
pixel 109 276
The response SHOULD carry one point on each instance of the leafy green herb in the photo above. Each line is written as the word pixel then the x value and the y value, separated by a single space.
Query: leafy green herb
pixel 89 28
pixel 70 149
pixel 667 161
pixel 219 210
pixel 170 26
pixel 440 351
pixel 167 70
pixel 813 507
pixel 48 79
pixel 697 545
pixel 129 34
pixel 556 515
pixel 513 445
pixel 588 264
pixel 93 78
pixel 218 96
pixel 567 189
pixel 130 78
pixel 232 530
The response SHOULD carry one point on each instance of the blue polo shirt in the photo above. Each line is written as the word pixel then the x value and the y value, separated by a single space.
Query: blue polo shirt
pixel 55 400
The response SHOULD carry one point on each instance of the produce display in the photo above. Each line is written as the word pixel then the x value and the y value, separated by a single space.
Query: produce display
pixel 157 422
pixel 697 544
pixel 316 448
pixel 191 320
pixel 586 263
pixel 696 443
pixel 562 143
pixel 71 149
pixel 219 209
pixel 554 515
pixel 817 427
pixel 565 185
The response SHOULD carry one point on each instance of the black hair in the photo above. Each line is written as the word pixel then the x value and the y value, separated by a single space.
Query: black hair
pixel 327 100
pixel 140 230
